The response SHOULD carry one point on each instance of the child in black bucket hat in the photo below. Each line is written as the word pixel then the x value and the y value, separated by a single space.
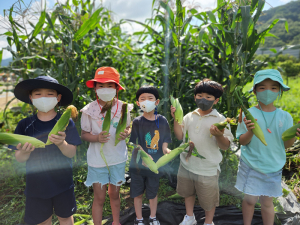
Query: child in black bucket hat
pixel 49 179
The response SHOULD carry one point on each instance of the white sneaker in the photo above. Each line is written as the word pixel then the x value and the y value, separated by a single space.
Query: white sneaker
pixel 187 221
pixel 153 221
pixel 211 223
pixel 139 222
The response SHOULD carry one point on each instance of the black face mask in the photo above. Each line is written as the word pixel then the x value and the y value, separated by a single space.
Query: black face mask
pixel 204 104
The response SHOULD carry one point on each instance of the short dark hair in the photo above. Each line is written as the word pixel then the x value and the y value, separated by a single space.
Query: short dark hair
pixel 147 89
pixel 210 87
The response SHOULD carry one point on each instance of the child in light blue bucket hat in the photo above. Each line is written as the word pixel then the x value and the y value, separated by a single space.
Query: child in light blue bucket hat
pixel 260 168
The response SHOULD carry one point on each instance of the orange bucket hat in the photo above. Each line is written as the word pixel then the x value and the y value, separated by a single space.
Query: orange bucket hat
pixel 104 75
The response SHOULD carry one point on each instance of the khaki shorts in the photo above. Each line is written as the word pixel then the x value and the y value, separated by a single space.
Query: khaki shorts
pixel 206 187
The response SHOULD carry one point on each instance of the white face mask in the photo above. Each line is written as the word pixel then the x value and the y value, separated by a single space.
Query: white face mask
pixel 106 94
pixel 45 104
pixel 147 106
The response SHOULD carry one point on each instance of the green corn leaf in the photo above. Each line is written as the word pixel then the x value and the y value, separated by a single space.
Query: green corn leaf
pixel 39 25
pixel 1 53
pixel 88 25
pixel 286 25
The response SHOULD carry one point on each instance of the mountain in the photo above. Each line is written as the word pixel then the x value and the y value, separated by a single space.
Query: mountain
pixel 290 12
pixel 5 62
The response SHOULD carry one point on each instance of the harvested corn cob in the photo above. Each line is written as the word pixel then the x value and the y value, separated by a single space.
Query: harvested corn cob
pixel 63 121
pixel 222 125
pixel 105 127
pixel 179 112
pixel 148 161
pixel 177 151
pixel 168 157
pixel 257 131
pixel 15 139
pixel 290 133
pixel 140 153
pixel 122 123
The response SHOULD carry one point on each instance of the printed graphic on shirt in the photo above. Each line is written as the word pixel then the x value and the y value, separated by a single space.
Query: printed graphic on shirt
pixel 152 143
pixel 100 123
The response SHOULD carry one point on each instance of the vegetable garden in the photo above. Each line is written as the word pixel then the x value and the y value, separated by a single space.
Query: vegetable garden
pixel 72 41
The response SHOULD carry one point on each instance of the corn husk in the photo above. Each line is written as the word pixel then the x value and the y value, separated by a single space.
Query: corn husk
pixel 63 121
pixel 15 139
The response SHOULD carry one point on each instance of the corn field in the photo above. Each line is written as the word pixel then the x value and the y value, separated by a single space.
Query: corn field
pixel 70 42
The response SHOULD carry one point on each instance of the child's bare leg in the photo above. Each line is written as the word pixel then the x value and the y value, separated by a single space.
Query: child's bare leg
pixel 189 205
pixel 114 196
pixel 138 202
pixel 66 221
pixel 99 199
pixel 47 222
pixel 267 210
pixel 153 206
pixel 209 215
pixel 248 208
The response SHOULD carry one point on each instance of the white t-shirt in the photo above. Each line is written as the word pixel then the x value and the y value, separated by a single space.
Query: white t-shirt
pixel 91 121
pixel 198 128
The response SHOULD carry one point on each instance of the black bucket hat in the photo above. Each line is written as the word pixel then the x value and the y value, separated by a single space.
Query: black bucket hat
pixel 23 89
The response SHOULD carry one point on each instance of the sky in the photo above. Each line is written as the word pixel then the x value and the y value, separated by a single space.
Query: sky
pixel 123 9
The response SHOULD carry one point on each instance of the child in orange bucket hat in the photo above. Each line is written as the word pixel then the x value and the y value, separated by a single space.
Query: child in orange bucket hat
pixel 106 85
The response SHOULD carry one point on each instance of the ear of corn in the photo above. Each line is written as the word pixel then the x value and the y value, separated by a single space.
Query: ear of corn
pixel 222 125
pixel 63 122
pixel 15 139
pixel 172 155
pixel 177 151
pixel 257 131
pixel 122 123
pixel 148 161
pixel 145 157
pixel 290 133
pixel 179 112
pixel 105 127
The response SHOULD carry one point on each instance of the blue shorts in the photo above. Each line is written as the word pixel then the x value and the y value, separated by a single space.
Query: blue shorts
pixel 37 210
pixel 252 182
pixel 140 182
pixel 101 175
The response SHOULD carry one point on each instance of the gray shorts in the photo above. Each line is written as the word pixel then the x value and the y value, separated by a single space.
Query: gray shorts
pixel 139 183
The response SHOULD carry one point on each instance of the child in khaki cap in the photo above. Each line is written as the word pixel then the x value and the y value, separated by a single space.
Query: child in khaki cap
pixel 200 176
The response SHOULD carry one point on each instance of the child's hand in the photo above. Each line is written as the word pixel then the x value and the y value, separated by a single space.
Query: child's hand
pixel 298 133
pixel 58 139
pixel 26 148
pixel 215 131
pixel 250 126
pixel 102 138
pixel 173 109
pixel 125 134
pixel 143 161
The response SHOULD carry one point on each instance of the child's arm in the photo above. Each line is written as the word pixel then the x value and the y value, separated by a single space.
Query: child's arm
pixel 87 136
pixel 165 148
pixel 23 152
pixel 222 141
pixel 246 137
pixel 289 143
pixel 59 140
pixel 177 128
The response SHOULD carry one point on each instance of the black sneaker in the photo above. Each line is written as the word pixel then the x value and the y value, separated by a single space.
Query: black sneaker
pixel 153 221
pixel 139 222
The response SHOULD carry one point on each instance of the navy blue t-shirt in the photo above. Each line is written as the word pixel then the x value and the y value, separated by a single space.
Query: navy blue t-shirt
pixel 151 135
pixel 48 171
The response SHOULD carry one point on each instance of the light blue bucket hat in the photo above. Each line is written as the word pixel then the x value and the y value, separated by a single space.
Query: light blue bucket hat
pixel 269 74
